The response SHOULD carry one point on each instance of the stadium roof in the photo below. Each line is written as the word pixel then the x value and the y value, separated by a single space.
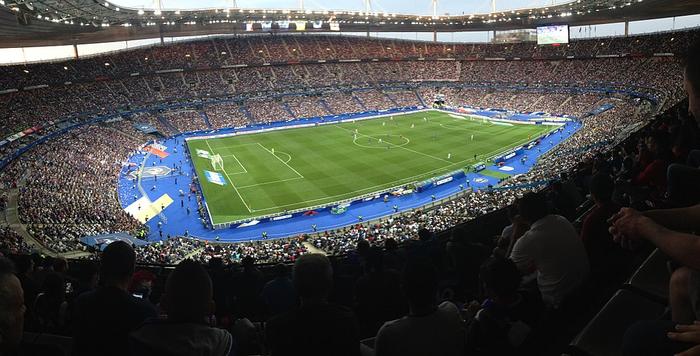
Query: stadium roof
pixel 52 22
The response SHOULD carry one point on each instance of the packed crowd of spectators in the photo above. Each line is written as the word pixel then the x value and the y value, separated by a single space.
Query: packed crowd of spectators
pixel 226 115
pixel 62 195
pixel 186 120
pixel 62 184
pixel 403 98
pixel 374 99
pixel 12 242
pixel 264 110
pixel 87 99
pixel 522 291
pixel 342 102
pixel 305 106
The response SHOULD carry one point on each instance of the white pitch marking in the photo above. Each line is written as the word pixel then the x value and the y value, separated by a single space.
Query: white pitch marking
pixel 285 163
pixel 390 184
pixel 407 149
pixel 231 181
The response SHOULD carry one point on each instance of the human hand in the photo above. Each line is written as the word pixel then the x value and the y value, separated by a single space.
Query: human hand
pixel 687 333
pixel 628 225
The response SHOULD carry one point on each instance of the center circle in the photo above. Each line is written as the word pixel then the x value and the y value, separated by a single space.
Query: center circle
pixel 373 142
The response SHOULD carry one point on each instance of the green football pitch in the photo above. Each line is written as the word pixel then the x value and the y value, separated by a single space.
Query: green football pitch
pixel 272 172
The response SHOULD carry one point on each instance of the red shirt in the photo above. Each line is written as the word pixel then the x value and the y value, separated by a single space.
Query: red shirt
pixel 654 175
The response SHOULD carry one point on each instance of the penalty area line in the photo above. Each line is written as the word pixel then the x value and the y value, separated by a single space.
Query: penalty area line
pixel 231 182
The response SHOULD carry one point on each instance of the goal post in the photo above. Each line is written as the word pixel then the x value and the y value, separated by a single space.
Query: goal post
pixel 217 163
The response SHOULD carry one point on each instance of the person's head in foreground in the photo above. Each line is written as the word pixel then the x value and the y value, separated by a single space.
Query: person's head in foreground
pixel 11 307
pixel 500 277
pixel 188 293
pixel 118 264
pixel 313 278
pixel 602 188
pixel 533 207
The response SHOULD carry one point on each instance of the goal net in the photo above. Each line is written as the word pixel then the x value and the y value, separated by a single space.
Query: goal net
pixel 217 163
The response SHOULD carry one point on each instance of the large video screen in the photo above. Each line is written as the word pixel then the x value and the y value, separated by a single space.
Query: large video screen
pixel 552 34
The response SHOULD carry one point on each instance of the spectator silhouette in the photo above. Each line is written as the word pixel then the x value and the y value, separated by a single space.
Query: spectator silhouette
pixel 428 329
pixel 507 320
pixel 378 294
pixel 50 305
pixel 317 327
pixel 248 284
pixel 11 309
pixel 551 248
pixel 221 279
pixel 103 318
pixel 608 260
pixel 25 267
pixel 188 301
pixel 279 293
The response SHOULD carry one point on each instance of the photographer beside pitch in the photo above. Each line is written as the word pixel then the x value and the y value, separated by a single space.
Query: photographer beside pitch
pixel 663 228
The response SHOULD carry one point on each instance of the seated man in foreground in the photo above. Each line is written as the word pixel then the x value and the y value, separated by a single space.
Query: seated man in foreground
pixel 552 248
pixel 188 302
pixel 104 318
pixel 428 329
pixel 317 327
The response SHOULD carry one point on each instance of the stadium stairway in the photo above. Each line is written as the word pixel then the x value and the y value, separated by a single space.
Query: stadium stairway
pixel 286 108
pixel 482 100
pixel 247 113
pixel 191 255
pixel 396 105
pixel 326 107
pixel 533 106
pixel 12 218
pixel 120 133
pixel 420 98
pixel 359 102
pixel 204 116
pixel 564 103
pixel 651 279
pixel 167 124
pixel 313 249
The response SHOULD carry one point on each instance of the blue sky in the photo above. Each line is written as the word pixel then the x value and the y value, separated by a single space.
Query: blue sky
pixel 398 6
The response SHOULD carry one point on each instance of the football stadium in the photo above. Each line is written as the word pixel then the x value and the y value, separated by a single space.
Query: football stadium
pixel 372 178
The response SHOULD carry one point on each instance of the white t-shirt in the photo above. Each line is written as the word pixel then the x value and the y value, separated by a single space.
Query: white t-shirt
pixel 438 333
pixel 554 249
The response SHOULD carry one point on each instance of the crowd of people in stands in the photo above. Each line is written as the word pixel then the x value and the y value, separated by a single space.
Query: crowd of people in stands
pixel 59 216
pixel 62 195
pixel 515 293
pixel 12 242
pixel 125 91
pixel 226 115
